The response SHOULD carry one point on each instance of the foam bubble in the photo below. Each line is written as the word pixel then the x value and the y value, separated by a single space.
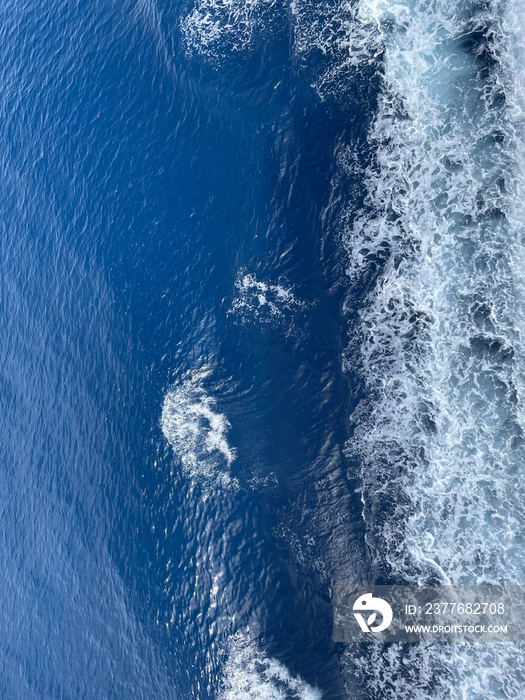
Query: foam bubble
pixel 250 675
pixel 337 32
pixel 215 28
pixel 263 301
pixel 197 432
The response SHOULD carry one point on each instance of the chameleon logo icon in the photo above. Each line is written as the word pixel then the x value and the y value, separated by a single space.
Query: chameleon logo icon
pixel 367 603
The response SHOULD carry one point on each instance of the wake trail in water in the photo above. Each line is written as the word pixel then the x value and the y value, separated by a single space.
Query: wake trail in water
pixel 439 342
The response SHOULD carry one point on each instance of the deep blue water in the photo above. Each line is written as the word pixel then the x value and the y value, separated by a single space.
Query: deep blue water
pixel 179 350
pixel 135 186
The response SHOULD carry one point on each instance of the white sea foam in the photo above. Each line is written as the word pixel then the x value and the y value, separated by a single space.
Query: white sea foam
pixel 335 31
pixel 439 345
pixel 263 301
pixel 441 336
pixel 214 28
pixel 250 675
pixel 197 432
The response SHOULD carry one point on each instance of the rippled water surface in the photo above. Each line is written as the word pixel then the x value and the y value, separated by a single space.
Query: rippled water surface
pixel 262 306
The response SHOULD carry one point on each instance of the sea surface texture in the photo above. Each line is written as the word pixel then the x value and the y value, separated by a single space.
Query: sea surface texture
pixel 262 307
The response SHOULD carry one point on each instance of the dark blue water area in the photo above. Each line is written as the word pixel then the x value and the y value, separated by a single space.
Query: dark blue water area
pixel 137 184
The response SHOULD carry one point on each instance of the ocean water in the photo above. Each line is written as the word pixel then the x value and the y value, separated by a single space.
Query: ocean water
pixel 263 315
